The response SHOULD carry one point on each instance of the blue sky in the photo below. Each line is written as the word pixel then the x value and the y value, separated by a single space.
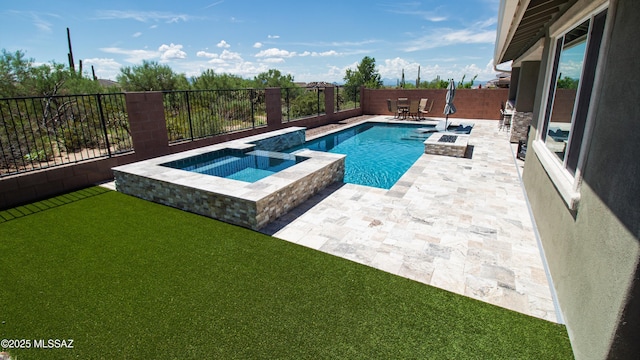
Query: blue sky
pixel 311 40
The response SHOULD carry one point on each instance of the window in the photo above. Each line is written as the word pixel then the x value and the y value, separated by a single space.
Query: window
pixel 571 83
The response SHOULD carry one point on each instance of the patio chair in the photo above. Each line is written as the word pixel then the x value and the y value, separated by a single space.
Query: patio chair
pixel 414 108
pixel 505 120
pixel 423 110
pixel 393 108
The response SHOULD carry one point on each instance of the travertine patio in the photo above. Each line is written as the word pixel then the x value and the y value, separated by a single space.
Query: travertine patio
pixel 459 224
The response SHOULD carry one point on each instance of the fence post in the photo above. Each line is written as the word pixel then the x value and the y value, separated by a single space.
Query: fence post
pixel 147 124
pixel 273 101
pixel 104 125
pixel 189 114
pixel 252 97
pixel 288 104
pixel 329 101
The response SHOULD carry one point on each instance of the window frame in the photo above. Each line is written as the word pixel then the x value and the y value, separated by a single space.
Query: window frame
pixel 568 180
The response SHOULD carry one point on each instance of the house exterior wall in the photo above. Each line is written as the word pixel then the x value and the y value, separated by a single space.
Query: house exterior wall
pixel 593 250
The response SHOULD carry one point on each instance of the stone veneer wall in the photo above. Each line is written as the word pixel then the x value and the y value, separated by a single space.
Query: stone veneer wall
pixel 281 142
pixel 217 206
pixel 230 209
pixel 520 125
pixel 446 150
pixel 281 202
pixel 434 147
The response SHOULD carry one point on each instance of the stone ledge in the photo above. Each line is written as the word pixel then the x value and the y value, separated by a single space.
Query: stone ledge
pixel 434 146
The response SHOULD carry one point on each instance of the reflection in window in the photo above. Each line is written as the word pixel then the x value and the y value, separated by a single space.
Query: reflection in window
pixel 571 51
pixel 572 76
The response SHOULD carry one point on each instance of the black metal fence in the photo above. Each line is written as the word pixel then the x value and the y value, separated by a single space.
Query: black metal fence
pixel 346 99
pixel 201 113
pixel 40 132
pixel 300 102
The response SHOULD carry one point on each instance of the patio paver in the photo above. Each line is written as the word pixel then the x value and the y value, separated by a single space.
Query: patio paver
pixel 459 224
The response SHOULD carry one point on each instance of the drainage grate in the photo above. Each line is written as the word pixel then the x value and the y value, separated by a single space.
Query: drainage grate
pixel 448 138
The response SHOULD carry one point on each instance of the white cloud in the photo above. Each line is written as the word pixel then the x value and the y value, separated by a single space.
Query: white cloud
pixel 332 74
pixel 273 36
pixel 223 44
pixel 413 9
pixel 275 52
pixel 142 16
pixel 320 54
pixel 570 68
pixel 240 68
pixel 326 53
pixel 257 45
pixel 104 68
pixel 213 4
pixel 448 37
pixel 171 52
pixel 392 68
pixel 132 56
pixel 206 54
pixel 230 55
pixel 40 23
pixel 138 34
pixel 468 36
pixel 274 60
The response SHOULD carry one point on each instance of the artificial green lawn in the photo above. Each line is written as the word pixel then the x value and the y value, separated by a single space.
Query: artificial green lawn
pixel 127 278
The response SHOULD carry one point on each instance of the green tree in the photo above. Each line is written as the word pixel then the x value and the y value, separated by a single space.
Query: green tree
pixel 365 74
pixel 209 80
pixel 436 83
pixel 14 70
pixel 273 78
pixel 151 76
pixel 567 83
pixel 19 77
pixel 468 85
pixel 307 104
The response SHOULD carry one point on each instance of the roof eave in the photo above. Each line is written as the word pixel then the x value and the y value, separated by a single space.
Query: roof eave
pixel 509 14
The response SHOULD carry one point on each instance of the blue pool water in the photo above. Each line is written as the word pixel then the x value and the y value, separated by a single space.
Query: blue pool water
pixel 377 154
pixel 237 165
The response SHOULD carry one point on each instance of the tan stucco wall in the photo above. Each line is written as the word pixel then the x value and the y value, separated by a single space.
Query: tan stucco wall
pixel 592 258
pixel 593 251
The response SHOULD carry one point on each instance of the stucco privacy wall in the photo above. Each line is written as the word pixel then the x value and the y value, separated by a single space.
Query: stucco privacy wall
pixel 593 251
pixel 470 103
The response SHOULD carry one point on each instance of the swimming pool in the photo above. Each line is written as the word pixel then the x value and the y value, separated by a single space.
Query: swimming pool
pixel 378 154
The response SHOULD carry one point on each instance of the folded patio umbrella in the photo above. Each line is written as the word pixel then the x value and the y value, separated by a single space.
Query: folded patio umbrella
pixel 449 108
